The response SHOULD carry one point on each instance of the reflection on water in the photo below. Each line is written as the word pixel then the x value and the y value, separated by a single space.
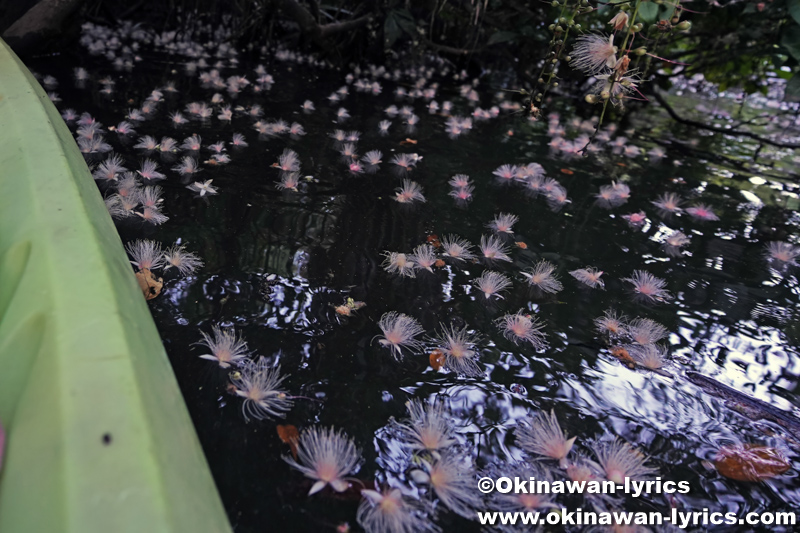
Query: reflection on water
pixel 277 263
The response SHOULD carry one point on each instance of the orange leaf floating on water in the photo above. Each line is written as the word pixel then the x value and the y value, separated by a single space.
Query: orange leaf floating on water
pixel 750 462
pixel 567 171
pixel 150 285
pixel 289 435
pixel 622 354
pixel 408 141
pixel 437 359
pixel 521 245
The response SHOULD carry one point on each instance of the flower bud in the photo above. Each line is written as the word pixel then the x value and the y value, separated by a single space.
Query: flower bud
pixel 554 3
pixel 559 29
pixel 605 95
pixel 562 20
pixel 568 59
pixel 619 21
pixel 577 27
pixel 685 25
pixel 640 51
pixel 637 27
pixel 551 27
pixel 540 81
pixel 591 99
pixel 555 84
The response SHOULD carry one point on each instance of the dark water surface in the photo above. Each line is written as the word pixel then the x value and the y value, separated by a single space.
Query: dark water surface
pixel 733 317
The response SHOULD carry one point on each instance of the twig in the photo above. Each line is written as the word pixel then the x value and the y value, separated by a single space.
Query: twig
pixel 338 27
pixel 668 108
pixel 131 10
pixel 452 50
pixel 317 32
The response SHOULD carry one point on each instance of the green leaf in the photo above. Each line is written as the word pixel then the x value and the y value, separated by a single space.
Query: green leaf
pixel 502 37
pixel 406 21
pixel 397 22
pixel 791 40
pixel 648 11
pixel 391 31
pixel 794 9
pixel 666 11
pixel 792 93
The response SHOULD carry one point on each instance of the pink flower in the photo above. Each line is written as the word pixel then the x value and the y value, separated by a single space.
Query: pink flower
pixel 702 212
pixel 635 219
pixel 594 52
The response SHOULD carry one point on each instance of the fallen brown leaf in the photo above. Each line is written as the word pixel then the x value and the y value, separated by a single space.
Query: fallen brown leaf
pixel 750 462
pixel 624 357
pixel 437 359
pixel 289 435
pixel 150 285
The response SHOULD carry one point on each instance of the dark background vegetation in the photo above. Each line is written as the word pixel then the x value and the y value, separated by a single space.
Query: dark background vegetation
pixel 734 43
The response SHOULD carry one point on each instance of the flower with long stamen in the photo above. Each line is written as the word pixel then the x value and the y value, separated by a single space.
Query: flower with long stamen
pixel 460 350
pixel 594 52
pixel 259 385
pixel 327 456
pixel 521 327
pixel 429 427
pixel 615 86
pixel 620 460
pixel 452 478
pixel 543 436
pixel 388 511
pixel 399 331
pixel 226 347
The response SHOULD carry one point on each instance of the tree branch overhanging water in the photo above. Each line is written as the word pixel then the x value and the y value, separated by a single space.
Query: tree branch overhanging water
pixel 672 113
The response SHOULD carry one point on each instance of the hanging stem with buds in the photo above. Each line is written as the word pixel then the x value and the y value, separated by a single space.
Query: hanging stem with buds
pixel 617 74
pixel 560 29
pixel 666 28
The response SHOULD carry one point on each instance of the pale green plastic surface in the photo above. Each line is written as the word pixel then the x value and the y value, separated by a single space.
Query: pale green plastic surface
pixel 80 356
